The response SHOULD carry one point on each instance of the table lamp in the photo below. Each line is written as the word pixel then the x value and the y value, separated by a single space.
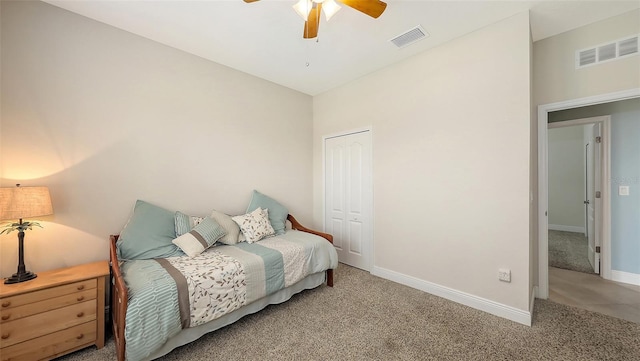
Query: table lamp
pixel 18 203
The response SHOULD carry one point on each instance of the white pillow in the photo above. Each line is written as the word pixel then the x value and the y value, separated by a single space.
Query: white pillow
pixel 225 221
pixel 201 237
pixel 255 225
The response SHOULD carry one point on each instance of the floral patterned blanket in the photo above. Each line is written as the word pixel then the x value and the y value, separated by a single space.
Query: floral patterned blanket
pixel 215 283
pixel 166 295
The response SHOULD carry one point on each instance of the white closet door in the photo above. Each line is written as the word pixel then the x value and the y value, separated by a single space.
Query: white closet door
pixel 348 197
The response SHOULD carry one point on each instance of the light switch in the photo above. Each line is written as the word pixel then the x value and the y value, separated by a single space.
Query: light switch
pixel 623 190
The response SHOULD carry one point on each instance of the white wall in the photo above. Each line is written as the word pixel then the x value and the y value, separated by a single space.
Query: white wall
pixel 566 178
pixel 450 160
pixel 104 117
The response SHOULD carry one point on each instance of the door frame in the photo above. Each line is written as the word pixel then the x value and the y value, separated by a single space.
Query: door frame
pixel 370 244
pixel 542 290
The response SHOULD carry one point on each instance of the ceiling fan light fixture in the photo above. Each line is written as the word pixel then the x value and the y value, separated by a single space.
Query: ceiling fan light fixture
pixel 330 8
pixel 303 8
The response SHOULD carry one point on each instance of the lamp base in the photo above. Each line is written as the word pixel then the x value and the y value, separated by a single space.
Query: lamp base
pixel 20 277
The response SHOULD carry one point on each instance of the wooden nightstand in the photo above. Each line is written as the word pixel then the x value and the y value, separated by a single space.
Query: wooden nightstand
pixel 59 312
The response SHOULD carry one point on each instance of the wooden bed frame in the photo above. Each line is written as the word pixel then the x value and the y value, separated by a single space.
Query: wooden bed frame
pixel 120 296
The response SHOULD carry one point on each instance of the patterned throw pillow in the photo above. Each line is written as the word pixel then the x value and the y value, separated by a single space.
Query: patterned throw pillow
pixel 201 237
pixel 255 225
pixel 185 223
pixel 277 212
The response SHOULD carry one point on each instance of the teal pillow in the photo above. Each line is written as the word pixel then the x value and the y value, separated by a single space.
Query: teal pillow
pixel 277 212
pixel 148 234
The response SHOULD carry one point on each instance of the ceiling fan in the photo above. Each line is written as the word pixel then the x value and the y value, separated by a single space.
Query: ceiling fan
pixel 310 11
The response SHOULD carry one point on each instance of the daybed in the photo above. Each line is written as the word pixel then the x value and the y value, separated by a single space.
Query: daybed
pixel 157 304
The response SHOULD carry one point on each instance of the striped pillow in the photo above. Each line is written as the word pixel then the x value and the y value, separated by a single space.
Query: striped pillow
pixel 201 237
pixel 185 223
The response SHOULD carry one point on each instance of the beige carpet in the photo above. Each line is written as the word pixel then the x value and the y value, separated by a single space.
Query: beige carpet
pixel 367 318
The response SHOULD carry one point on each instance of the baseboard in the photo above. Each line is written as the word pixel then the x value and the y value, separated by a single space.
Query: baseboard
pixel 625 277
pixel 560 227
pixel 479 303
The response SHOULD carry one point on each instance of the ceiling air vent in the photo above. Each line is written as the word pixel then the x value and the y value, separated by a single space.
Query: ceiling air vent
pixel 409 37
pixel 607 52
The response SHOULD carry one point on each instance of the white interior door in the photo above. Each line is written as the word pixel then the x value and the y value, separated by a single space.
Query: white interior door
pixel 594 193
pixel 348 197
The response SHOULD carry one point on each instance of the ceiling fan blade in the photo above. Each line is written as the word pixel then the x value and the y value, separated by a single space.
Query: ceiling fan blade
pixel 250 1
pixel 373 8
pixel 313 22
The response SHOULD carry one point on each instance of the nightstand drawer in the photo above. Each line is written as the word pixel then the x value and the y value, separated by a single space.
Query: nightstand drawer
pixel 52 344
pixel 31 297
pixel 14 313
pixel 26 328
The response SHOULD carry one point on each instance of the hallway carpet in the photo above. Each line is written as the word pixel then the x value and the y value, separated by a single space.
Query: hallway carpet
pixel 569 250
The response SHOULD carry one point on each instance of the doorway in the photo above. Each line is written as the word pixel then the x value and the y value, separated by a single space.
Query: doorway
pixel 542 290
pixel 348 198
pixel 575 193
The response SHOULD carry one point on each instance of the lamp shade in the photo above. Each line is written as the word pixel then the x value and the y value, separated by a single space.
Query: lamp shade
pixel 24 202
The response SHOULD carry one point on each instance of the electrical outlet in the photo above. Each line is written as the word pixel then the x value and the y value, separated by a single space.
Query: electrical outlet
pixel 504 275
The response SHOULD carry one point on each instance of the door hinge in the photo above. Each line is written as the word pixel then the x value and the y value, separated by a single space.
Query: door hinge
pixel 598 139
pixel 598 194
pixel 597 249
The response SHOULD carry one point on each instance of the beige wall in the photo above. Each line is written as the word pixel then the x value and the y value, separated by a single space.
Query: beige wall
pixel 104 117
pixel 556 78
pixel 451 138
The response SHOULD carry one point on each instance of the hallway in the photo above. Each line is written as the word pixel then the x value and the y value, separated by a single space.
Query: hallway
pixel 591 292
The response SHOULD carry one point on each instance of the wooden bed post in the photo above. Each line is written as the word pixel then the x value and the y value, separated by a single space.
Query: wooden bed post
pixel 297 226
pixel 119 300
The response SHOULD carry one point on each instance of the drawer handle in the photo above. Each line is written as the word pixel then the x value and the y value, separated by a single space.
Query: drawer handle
pixel 80 298
pixel 6 317
pixel 80 314
pixel 5 336
pixel 6 304
pixel 81 287
pixel 80 336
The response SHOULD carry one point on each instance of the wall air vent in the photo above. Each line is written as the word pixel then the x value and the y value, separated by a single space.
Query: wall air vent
pixel 409 37
pixel 628 46
pixel 587 57
pixel 607 52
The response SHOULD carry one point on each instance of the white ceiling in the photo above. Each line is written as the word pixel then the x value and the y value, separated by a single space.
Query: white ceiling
pixel 265 38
